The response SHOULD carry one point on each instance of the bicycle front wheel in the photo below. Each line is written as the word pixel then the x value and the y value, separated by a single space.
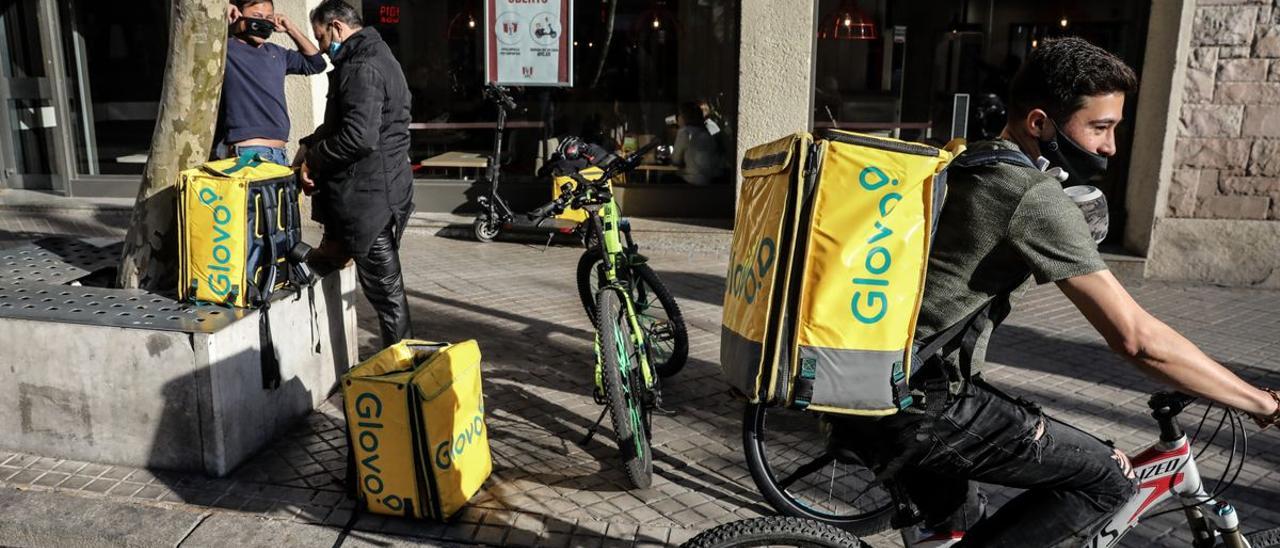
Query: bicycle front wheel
pixel 774 531
pixel 624 389
pixel 799 476
pixel 657 311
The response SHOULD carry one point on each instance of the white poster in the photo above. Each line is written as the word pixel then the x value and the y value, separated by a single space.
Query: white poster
pixel 529 42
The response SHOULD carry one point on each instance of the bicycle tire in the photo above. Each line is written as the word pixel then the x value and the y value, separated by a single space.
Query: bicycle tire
pixel 1264 538
pixel 643 281
pixel 874 520
pixel 774 531
pixel 626 408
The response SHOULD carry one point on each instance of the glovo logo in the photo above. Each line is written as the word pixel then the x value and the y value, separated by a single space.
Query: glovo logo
pixel 452 449
pixel 746 278
pixel 870 300
pixel 220 284
pixel 369 409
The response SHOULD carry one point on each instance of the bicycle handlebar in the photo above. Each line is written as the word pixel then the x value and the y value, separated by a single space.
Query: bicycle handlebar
pixel 570 193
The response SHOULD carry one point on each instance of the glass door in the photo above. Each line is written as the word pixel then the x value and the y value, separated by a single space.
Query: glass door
pixel 28 121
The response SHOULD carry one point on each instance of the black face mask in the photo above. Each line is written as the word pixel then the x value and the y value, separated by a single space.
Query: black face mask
pixel 260 28
pixel 1081 164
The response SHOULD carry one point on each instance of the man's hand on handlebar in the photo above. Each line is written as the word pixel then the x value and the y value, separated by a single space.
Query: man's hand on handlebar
pixel 1267 421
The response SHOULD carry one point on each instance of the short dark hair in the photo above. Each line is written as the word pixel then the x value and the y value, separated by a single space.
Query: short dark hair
pixel 336 10
pixel 692 113
pixel 242 4
pixel 1061 73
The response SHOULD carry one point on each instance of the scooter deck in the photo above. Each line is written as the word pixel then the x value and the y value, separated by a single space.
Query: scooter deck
pixel 549 225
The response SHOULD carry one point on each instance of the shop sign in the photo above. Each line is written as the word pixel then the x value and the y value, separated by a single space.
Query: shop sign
pixel 529 42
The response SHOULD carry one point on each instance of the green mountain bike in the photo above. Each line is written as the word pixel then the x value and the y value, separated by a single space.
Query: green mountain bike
pixel 640 332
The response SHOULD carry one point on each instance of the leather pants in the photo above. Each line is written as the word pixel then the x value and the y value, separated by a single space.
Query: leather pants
pixel 380 278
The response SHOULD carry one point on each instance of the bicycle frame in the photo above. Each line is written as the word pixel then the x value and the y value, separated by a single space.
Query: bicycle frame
pixel 607 221
pixel 1165 470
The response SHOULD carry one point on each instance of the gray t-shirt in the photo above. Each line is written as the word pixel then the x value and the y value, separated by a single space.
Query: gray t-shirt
pixel 697 155
pixel 999 225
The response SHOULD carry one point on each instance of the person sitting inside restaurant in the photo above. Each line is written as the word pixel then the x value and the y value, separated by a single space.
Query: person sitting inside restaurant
pixel 254 116
pixel 696 152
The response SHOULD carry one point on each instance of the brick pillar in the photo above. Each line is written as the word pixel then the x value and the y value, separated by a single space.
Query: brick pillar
pixel 1226 165
pixel 1221 221
pixel 305 94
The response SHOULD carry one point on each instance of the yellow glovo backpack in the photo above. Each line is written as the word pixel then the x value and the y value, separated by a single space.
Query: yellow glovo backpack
pixel 419 446
pixel 237 221
pixel 830 246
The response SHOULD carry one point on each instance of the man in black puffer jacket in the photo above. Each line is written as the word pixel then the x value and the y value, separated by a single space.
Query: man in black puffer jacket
pixel 356 164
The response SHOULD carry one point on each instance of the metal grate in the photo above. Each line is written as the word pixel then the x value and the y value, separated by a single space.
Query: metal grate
pixel 35 285
pixel 56 261
pixel 110 308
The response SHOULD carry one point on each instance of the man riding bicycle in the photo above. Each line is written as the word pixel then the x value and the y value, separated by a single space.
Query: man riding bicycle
pixel 1003 223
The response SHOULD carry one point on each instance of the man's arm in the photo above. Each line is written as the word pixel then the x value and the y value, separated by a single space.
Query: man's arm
pixel 307 59
pixel 1156 348
pixel 356 132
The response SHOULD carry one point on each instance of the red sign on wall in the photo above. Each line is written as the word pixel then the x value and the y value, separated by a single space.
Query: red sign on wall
pixel 388 15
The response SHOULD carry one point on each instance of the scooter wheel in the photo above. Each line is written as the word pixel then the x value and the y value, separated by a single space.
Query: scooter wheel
pixel 485 229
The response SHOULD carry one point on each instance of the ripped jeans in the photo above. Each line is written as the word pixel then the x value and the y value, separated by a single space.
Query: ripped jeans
pixel 1071 479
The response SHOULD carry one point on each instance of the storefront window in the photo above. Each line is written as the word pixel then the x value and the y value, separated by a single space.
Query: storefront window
pixel 930 70
pixel 115 62
pixel 635 63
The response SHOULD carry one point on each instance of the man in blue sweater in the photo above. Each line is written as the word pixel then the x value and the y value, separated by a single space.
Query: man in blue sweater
pixel 253 116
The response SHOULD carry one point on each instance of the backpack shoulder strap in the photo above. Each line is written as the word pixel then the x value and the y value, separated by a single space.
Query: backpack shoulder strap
pixel 976 158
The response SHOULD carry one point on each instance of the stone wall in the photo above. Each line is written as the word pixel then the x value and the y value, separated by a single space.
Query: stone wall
pixel 1227 159
pixel 1217 216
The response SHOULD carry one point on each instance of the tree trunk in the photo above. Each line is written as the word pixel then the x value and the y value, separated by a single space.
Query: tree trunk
pixel 182 139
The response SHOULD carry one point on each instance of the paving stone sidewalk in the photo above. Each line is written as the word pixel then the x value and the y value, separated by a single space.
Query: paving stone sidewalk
pixel 519 301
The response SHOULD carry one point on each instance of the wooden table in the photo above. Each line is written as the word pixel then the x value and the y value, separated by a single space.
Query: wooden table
pixel 457 159
pixel 648 169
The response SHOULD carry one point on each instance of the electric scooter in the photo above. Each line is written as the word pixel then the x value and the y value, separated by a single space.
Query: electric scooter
pixel 496 216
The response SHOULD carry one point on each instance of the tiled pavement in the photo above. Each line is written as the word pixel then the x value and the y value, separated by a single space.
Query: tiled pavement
pixel 519 301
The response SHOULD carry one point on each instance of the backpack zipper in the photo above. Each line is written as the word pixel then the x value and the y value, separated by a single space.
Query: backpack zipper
pixel 891 146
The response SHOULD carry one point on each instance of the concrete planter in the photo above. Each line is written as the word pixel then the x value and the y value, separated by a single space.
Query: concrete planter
pixel 189 400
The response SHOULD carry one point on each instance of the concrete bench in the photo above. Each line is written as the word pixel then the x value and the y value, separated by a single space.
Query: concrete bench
pixel 133 378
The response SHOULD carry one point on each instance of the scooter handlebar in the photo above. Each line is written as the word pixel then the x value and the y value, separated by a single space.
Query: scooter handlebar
pixel 498 94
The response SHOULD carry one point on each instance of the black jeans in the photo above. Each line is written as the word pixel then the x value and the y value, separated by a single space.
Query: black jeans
pixel 380 278
pixel 1071 479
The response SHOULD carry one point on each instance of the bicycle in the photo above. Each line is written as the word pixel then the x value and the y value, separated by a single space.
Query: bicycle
pixel 812 473
pixel 630 347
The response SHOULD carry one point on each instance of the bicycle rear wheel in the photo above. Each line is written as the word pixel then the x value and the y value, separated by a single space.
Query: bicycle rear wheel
pixel 774 531
pixel 792 467
pixel 659 314
pixel 624 389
